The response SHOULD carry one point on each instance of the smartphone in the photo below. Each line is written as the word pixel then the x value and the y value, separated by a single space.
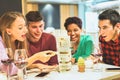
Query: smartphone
pixel 42 74
pixel 112 68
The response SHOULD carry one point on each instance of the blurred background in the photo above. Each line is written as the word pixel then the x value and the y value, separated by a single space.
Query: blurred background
pixel 56 11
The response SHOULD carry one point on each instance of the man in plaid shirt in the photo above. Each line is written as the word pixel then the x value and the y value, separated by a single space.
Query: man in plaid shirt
pixel 109 30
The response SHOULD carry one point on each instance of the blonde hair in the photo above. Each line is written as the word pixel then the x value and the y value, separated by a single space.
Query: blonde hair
pixel 6 20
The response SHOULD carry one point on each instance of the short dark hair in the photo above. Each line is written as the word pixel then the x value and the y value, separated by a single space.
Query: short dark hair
pixel 111 15
pixel 71 20
pixel 33 16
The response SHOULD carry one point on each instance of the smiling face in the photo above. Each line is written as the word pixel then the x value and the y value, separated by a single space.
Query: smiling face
pixel 35 30
pixel 74 32
pixel 18 30
pixel 107 31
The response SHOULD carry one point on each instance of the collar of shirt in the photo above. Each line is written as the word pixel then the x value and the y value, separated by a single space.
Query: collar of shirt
pixel 117 41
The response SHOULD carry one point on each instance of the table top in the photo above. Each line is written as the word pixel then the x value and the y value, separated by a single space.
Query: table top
pixel 73 74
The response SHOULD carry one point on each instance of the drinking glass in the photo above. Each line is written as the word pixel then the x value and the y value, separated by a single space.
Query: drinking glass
pixel 8 61
pixel 97 54
pixel 20 61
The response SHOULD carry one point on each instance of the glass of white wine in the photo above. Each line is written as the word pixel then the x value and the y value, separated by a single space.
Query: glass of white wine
pixel 20 61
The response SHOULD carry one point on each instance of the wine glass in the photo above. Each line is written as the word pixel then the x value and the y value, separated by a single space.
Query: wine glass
pixel 20 61
pixel 8 61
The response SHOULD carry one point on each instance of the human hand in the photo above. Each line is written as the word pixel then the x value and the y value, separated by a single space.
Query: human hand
pixel 72 60
pixel 44 56
pixel 94 58
pixel 49 53
pixel 46 68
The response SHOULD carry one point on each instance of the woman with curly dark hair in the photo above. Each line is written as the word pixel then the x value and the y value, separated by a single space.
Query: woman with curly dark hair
pixel 82 44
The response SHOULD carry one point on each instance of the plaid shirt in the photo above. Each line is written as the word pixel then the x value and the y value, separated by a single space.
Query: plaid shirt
pixel 111 51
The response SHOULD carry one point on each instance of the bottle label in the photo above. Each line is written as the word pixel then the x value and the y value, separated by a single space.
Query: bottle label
pixel 64 66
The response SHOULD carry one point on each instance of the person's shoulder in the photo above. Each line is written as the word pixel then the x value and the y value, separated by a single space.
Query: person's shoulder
pixel 87 37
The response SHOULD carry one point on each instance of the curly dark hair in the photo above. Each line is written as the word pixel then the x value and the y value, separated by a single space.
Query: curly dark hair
pixel 71 20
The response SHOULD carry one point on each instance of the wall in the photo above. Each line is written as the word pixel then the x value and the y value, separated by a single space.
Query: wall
pixel 66 10
pixel 10 5
pixel 51 14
